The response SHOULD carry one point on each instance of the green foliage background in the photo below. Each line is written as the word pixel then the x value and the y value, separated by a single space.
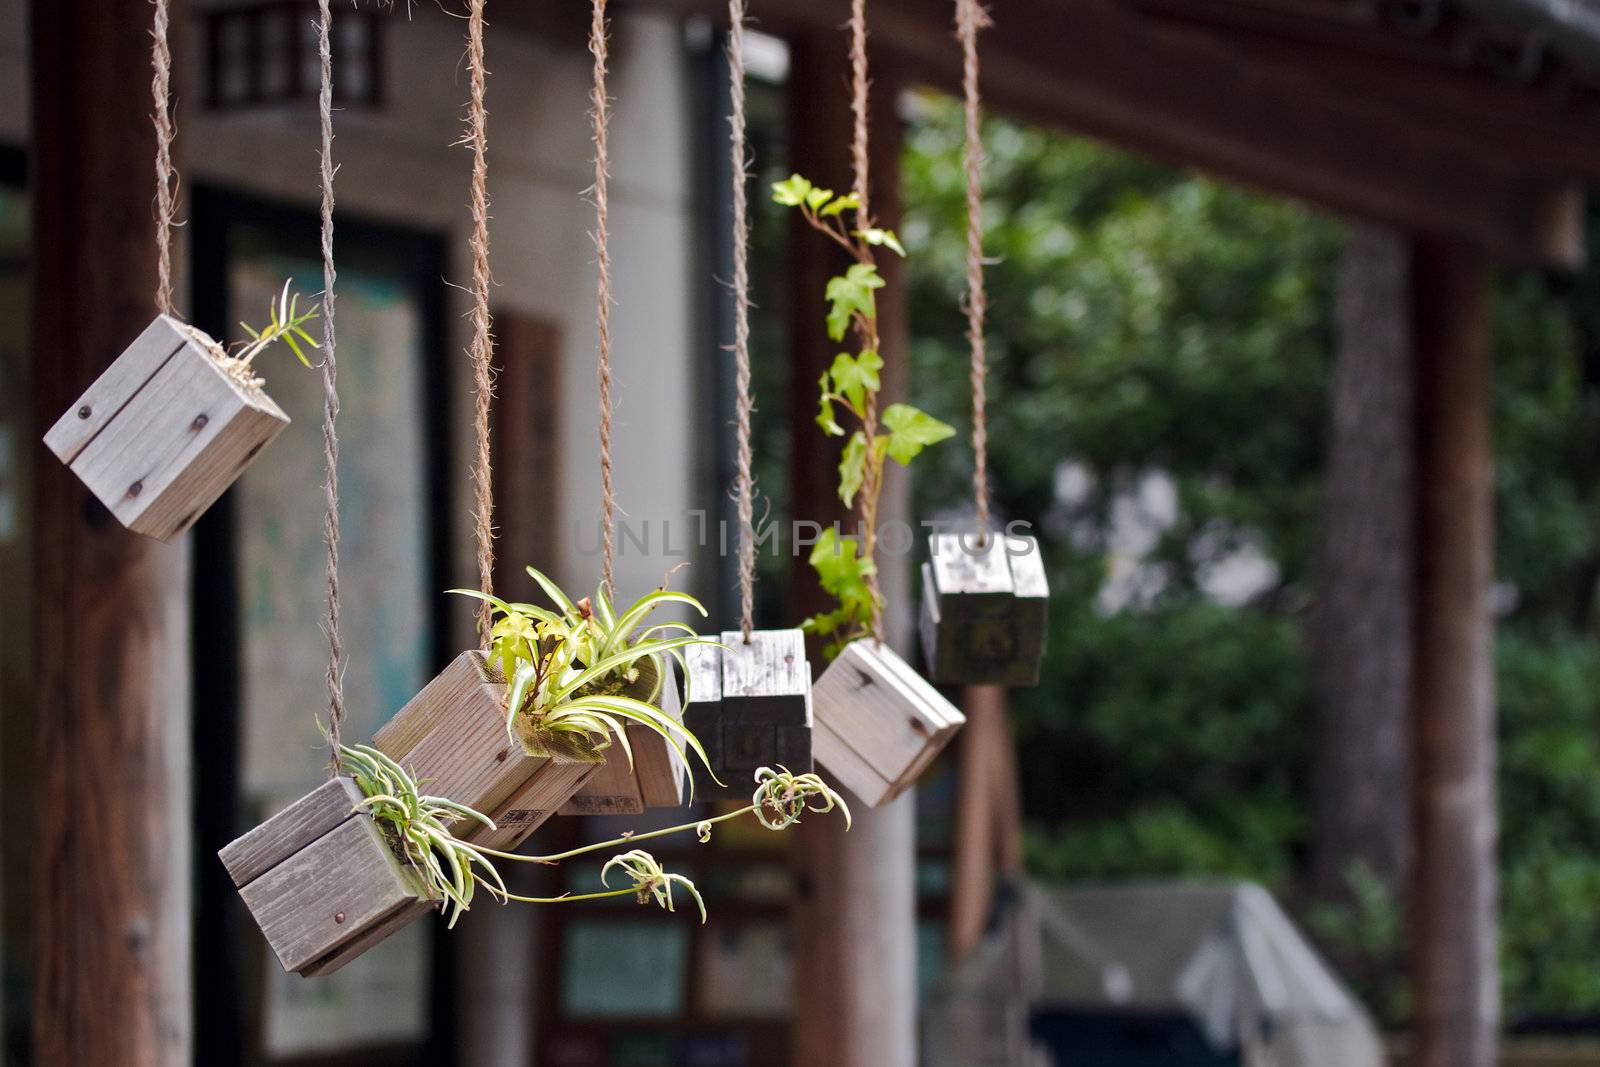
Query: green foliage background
pixel 1146 319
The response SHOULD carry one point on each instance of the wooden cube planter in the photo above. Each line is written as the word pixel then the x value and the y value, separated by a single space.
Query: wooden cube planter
pixel 452 738
pixel 322 881
pixel 984 610
pixel 161 434
pixel 655 779
pixel 878 722
pixel 750 706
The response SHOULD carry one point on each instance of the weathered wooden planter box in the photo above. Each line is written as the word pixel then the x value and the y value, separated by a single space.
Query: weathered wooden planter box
pixel 656 778
pixel 750 706
pixel 984 610
pixel 322 882
pixel 452 737
pixel 878 722
pixel 164 431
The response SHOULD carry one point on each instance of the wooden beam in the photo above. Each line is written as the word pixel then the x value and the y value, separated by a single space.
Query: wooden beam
pixel 854 921
pixel 1430 78
pixel 1187 95
pixel 112 857
pixel 1454 963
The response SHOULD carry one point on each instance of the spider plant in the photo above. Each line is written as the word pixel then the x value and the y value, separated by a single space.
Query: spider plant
pixel 580 673
pixel 780 799
pixel 419 829
pixel 286 323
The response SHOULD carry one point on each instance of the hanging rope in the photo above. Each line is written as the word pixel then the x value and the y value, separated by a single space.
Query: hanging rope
pixel 745 488
pixel 482 348
pixel 970 18
pixel 600 110
pixel 868 496
pixel 166 179
pixel 330 391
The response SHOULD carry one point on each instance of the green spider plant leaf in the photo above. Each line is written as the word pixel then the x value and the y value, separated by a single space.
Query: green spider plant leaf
pixel 562 602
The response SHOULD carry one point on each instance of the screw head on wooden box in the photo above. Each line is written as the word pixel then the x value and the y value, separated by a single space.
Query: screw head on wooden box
pixel 984 610
pixel 452 737
pixel 878 722
pixel 655 778
pixel 750 706
pixel 322 882
pixel 161 434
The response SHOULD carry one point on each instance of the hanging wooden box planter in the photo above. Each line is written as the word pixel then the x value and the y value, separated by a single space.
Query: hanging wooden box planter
pixel 452 737
pixel 878 722
pixel 984 610
pixel 161 434
pixel 322 882
pixel 750 706
pixel 656 777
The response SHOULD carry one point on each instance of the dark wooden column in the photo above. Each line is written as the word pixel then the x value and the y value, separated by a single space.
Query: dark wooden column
pixel 979 819
pixel 854 924
pixel 1453 928
pixel 1360 758
pixel 111 962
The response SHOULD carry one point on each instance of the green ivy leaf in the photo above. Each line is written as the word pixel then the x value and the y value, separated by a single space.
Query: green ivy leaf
pixel 792 192
pixel 881 239
pixel 817 197
pixel 847 202
pixel 842 570
pixel 849 293
pixel 910 431
pixel 852 467
pixel 825 419
pixel 824 624
pixel 855 376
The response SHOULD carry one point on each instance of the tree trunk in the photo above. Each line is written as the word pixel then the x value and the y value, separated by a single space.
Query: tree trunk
pixel 1454 966
pixel 854 924
pixel 1362 630
pixel 112 863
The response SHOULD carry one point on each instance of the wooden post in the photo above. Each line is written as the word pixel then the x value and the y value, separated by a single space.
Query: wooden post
pixel 854 925
pixel 1361 631
pixel 978 831
pixel 112 860
pixel 1453 930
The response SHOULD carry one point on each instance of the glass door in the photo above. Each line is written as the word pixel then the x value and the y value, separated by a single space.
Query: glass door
pixel 260 648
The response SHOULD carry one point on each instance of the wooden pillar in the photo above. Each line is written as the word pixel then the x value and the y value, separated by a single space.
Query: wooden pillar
pixel 854 923
pixel 1453 930
pixel 111 861
pixel 979 831
pixel 1360 760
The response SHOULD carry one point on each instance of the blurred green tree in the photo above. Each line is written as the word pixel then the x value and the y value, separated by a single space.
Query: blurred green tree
pixel 1160 352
